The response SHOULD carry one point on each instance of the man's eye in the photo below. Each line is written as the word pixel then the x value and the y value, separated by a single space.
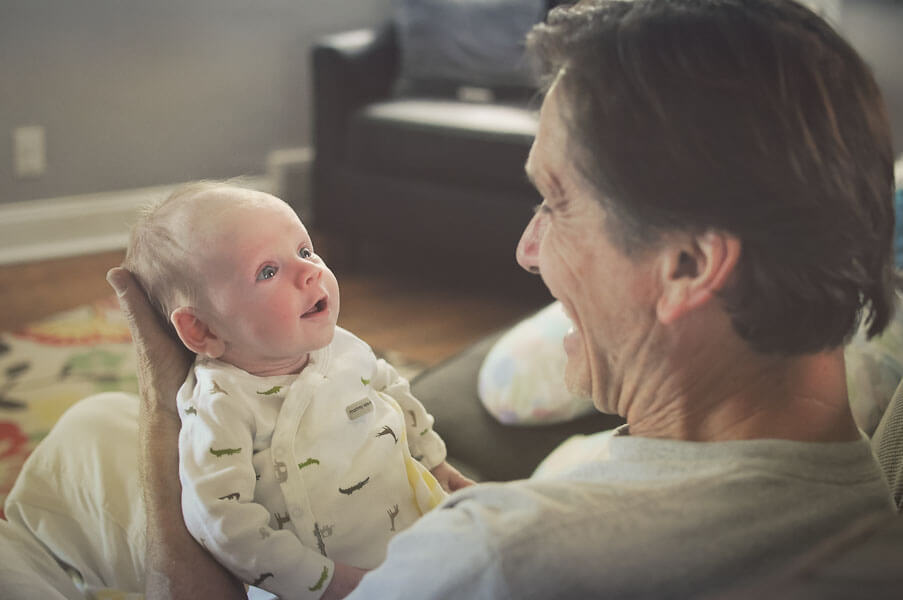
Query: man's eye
pixel 542 208
pixel 267 272
pixel 305 253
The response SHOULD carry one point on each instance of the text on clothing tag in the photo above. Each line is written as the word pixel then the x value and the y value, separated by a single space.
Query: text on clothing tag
pixel 359 408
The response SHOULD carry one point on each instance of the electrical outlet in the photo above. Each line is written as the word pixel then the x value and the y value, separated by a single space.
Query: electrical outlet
pixel 29 151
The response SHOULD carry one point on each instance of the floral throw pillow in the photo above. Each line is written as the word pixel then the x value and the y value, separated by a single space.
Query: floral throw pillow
pixel 521 381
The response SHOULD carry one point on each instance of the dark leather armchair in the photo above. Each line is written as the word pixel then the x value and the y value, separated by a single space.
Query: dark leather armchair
pixel 436 174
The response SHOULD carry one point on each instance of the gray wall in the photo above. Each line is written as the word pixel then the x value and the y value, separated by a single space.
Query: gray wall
pixel 135 93
pixel 875 28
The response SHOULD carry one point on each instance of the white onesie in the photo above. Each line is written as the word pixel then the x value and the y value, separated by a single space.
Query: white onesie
pixel 283 475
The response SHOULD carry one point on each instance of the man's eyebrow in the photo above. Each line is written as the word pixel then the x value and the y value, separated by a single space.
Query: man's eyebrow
pixel 529 175
pixel 556 190
pixel 557 187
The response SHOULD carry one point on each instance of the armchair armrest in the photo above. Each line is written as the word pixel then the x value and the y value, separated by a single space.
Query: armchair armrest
pixel 350 69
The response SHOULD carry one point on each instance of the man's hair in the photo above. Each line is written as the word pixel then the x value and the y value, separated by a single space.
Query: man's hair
pixel 157 255
pixel 752 117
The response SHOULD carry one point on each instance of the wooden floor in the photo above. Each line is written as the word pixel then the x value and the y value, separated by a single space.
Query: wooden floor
pixel 425 318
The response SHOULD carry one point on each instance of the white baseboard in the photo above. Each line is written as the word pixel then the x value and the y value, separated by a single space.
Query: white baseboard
pixel 73 225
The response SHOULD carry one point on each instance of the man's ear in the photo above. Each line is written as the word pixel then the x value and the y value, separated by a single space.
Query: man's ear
pixel 195 333
pixel 693 270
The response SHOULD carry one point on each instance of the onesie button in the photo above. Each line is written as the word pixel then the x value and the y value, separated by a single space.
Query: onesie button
pixel 296 512
pixel 281 472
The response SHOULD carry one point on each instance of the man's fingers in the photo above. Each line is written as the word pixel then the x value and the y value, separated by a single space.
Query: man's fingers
pixel 119 280
pixel 140 315
pixel 147 327
pixel 163 361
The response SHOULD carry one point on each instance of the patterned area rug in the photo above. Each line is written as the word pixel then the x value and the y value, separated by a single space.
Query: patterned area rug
pixel 49 365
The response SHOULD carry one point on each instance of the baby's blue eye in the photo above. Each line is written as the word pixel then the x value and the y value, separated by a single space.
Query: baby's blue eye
pixel 305 253
pixel 268 272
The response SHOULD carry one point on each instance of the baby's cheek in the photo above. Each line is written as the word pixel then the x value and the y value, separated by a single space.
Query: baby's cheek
pixel 275 321
pixel 284 325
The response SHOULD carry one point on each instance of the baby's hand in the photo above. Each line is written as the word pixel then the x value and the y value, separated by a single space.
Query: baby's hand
pixel 344 580
pixel 450 478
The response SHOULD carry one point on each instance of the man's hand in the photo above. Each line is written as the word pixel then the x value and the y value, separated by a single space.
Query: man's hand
pixel 176 566
pixel 163 361
pixel 450 478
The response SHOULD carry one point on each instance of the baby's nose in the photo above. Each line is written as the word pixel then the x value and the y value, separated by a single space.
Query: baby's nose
pixel 308 274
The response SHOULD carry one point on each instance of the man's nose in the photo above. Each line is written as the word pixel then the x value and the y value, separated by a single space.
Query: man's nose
pixel 528 247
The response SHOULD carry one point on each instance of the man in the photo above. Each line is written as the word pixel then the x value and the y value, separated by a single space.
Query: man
pixel 717 181
pixel 716 221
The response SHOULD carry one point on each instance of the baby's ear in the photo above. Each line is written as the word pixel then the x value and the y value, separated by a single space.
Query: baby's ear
pixel 195 333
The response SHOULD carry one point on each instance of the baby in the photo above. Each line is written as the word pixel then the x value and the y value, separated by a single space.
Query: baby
pixel 301 453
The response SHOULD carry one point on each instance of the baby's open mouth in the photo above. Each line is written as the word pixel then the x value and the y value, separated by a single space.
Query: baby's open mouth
pixel 319 307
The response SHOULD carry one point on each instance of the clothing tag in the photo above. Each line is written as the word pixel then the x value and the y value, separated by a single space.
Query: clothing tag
pixel 359 408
